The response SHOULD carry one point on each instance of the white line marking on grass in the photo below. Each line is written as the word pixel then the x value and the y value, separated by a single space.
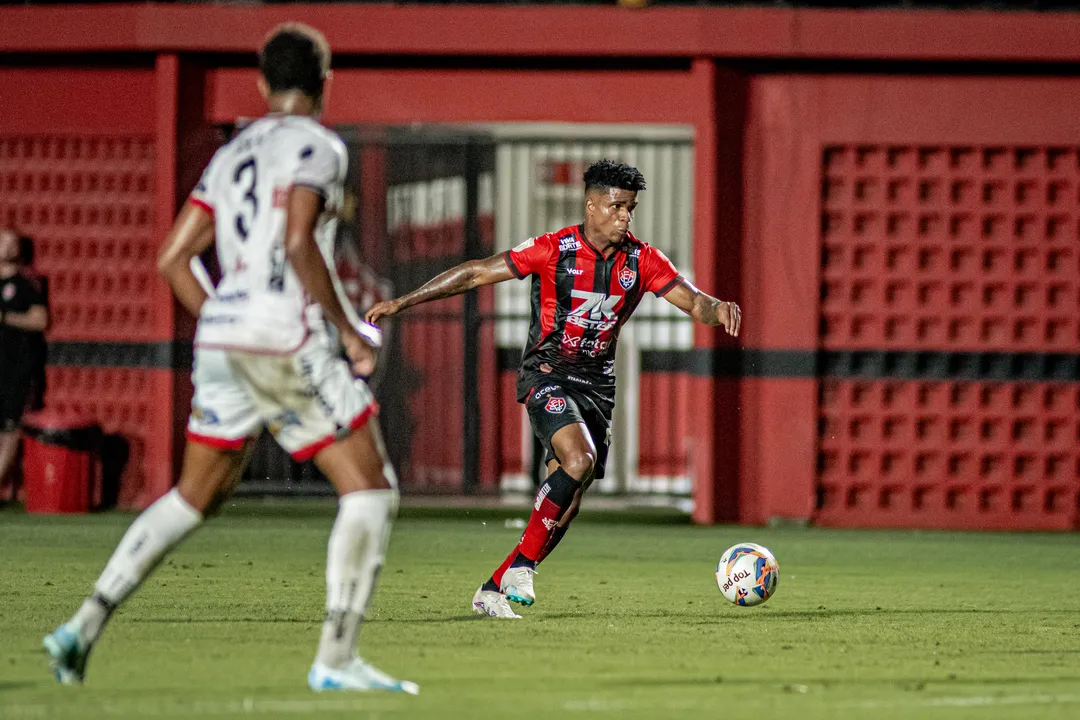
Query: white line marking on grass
pixel 983 700
pixel 970 701
pixel 371 707
pixel 598 705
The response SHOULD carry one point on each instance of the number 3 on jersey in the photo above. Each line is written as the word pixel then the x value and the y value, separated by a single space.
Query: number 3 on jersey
pixel 243 225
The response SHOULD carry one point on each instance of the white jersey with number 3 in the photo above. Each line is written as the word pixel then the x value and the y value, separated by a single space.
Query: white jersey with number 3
pixel 259 304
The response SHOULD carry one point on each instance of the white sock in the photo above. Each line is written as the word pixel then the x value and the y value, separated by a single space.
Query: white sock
pixel 355 555
pixel 156 531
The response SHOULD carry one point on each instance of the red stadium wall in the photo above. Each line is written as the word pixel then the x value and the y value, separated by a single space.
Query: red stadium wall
pixel 938 216
pixel 904 245
pixel 79 165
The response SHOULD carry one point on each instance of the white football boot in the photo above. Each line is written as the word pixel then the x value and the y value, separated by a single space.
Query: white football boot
pixel 357 675
pixel 67 654
pixel 517 585
pixel 492 604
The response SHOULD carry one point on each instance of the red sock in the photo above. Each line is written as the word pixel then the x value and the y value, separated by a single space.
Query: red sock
pixel 542 522
pixel 497 575
pixel 554 498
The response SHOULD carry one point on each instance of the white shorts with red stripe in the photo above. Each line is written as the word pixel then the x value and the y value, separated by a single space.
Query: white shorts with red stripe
pixel 307 399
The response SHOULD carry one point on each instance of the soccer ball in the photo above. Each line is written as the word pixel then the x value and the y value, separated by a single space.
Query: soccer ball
pixel 747 574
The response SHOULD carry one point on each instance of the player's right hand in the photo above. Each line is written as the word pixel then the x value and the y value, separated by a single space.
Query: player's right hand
pixel 362 355
pixel 381 310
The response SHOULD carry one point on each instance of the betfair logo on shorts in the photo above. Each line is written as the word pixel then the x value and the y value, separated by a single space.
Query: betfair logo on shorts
pixel 597 312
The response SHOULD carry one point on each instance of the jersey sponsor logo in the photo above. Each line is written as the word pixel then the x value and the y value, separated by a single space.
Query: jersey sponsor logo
pixel 238 296
pixel 525 245
pixel 636 252
pixel 575 271
pixel 597 312
pixel 555 405
pixel 627 278
pixel 569 243
pixel 586 346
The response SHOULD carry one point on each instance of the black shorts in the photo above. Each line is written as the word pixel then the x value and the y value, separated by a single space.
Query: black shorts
pixel 12 405
pixel 552 407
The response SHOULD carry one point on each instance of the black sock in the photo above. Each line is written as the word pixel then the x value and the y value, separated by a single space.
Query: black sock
pixel 522 561
pixel 490 586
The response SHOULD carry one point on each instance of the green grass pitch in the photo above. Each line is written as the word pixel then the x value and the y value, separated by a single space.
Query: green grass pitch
pixel 629 623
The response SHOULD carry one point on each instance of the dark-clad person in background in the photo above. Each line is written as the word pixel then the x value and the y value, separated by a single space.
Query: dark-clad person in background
pixel 23 319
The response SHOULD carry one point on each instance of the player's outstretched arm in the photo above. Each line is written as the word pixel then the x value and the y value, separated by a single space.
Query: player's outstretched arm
pixel 302 251
pixel 705 308
pixel 192 233
pixel 466 276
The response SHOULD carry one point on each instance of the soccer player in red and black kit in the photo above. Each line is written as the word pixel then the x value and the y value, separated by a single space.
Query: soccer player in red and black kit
pixel 587 281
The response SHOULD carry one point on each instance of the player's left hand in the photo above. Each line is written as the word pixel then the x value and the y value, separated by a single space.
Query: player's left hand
pixel 381 310
pixel 362 355
pixel 730 316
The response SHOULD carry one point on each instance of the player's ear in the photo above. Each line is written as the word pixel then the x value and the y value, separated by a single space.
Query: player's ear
pixel 264 87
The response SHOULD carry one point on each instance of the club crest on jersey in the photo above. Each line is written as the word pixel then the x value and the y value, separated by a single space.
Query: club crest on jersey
pixel 627 278
pixel 555 405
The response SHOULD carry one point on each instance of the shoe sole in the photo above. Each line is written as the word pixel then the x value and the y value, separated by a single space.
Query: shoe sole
pixel 519 600
pixel 480 610
pixel 326 685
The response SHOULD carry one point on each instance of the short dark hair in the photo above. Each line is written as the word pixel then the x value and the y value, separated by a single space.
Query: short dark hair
pixel 295 57
pixel 607 174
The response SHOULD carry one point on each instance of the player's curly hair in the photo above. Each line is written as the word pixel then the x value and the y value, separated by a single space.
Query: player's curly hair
pixel 295 57
pixel 607 174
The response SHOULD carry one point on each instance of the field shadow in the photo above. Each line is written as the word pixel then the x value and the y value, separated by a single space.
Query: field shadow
pixel 286 620
pixel 20 685
pixel 219 620
pixel 906 683
pixel 828 614
pixel 452 619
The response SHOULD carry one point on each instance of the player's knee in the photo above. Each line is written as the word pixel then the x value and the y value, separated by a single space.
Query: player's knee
pixel 579 465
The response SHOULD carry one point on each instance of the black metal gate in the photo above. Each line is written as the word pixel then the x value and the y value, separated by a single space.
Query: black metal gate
pixel 419 201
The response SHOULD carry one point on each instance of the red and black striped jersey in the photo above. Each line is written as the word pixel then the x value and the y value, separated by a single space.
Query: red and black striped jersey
pixel 580 301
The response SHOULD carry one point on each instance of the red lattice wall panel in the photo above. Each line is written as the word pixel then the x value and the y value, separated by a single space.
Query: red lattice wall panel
pixel 959 248
pixel 948 454
pixel 941 262
pixel 88 201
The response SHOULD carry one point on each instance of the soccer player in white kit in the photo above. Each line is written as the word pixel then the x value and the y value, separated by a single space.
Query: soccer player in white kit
pixel 265 357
